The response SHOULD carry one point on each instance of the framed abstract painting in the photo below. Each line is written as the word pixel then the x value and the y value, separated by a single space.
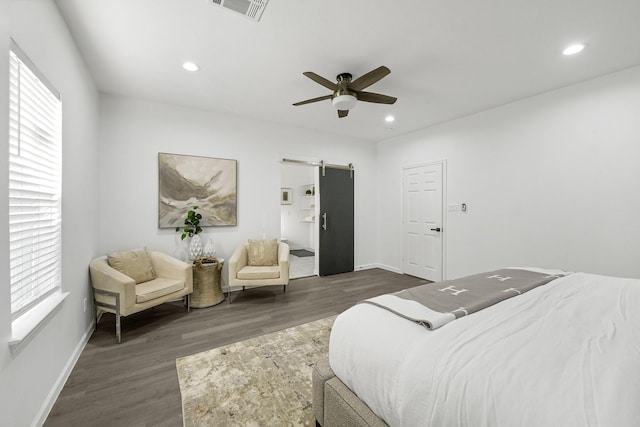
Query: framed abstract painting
pixel 206 182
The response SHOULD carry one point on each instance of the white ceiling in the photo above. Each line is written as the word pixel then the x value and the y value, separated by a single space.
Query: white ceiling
pixel 448 58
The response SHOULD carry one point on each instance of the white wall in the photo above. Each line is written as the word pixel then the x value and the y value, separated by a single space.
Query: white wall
pixel 132 132
pixel 550 181
pixel 31 378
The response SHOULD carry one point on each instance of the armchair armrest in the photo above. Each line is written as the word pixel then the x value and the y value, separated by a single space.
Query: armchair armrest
pixel 106 278
pixel 172 268
pixel 283 260
pixel 238 260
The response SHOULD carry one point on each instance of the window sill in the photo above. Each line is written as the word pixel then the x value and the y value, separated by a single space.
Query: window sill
pixel 25 327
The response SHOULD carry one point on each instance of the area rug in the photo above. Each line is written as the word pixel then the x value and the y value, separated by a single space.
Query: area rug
pixel 301 252
pixel 263 381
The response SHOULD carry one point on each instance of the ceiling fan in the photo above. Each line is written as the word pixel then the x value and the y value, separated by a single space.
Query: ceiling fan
pixel 346 92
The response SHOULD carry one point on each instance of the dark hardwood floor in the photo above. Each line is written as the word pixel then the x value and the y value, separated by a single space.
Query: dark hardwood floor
pixel 135 384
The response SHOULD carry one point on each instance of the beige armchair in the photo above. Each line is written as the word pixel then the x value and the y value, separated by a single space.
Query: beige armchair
pixel 247 266
pixel 152 278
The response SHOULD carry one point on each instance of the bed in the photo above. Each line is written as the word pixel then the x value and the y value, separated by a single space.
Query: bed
pixel 563 354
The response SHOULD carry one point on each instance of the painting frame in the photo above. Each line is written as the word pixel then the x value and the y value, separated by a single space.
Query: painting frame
pixel 185 181
pixel 285 196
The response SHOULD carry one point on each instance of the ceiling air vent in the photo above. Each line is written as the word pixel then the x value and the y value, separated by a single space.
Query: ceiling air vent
pixel 250 8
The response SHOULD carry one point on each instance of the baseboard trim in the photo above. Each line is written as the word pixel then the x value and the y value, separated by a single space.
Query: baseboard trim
pixel 365 267
pixel 378 265
pixel 63 377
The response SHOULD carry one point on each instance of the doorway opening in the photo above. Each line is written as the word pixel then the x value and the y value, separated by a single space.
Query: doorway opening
pixel 298 218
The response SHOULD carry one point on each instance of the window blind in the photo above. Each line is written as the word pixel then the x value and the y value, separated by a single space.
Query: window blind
pixel 35 158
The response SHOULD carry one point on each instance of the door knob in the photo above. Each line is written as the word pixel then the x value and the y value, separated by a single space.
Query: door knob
pixel 436 229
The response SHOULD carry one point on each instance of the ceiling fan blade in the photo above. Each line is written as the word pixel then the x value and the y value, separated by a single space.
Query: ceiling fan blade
pixel 376 97
pixel 321 80
pixel 370 78
pixel 309 101
pixel 343 113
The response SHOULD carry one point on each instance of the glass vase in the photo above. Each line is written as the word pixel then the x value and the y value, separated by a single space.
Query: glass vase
pixel 209 249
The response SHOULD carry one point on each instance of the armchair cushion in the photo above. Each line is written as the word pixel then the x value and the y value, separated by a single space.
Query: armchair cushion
pixel 263 252
pixel 259 272
pixel 135 264
pixel 157 288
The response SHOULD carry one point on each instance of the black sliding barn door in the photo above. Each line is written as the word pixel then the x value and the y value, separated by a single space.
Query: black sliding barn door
pixel 336 221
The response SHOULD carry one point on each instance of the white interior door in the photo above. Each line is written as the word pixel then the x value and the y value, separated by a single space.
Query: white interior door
pixel 422 221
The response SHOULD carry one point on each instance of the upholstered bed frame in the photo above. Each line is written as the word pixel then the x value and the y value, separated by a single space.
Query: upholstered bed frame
pixel 335 405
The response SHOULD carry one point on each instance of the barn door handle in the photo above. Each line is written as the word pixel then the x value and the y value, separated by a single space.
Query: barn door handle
pixel 436 229
pixel 324 221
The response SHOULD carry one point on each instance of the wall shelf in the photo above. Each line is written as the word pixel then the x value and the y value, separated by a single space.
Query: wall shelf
pixel 308 195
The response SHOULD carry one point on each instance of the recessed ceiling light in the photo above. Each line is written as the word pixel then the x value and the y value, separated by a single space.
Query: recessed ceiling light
pixel 389 119
pixel 190 66
pixel 573 49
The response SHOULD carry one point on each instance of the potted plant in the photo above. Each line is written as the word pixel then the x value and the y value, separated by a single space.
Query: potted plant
pixel 192 229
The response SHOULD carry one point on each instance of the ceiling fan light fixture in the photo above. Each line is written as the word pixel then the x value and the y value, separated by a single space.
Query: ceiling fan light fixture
pixel 345 94
pixel 344 102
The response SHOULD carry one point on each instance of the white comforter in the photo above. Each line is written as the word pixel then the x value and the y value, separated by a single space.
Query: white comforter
pixel 564 354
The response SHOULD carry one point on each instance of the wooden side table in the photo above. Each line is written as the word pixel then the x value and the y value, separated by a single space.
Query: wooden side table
pixel 207 284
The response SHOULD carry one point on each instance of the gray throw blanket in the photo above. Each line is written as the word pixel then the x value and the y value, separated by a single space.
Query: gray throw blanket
pixel 436 304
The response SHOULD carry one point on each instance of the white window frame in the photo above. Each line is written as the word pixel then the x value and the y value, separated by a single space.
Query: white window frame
pixel 35 197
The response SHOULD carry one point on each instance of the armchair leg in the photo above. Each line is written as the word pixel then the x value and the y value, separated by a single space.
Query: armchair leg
pixel 188 303
pixel 118 334
pixel 284 288
pixel 99 314
pixel 243 289
pixel 102 307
